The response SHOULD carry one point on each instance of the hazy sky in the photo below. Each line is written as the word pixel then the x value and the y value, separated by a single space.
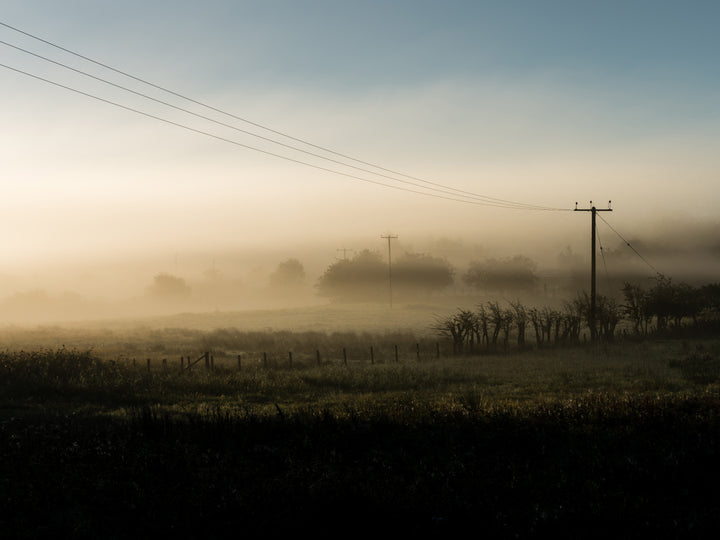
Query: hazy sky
pixel 539 102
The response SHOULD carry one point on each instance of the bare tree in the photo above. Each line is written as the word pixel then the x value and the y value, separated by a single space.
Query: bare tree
pixel 521 318
pixel 497 318
pixel 483 318
pixel 547 319
pixel 459 328
pixel 608 315
pixel 571 321
pixel 636 307
pixel 507 324
pixel 536 321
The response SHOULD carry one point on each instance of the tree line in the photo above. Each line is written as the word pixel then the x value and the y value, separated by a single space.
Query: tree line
pixel 662 309
pixel 366 276
pixel 667 306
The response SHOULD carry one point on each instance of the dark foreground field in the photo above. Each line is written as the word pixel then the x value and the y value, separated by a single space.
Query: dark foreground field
pixel 621 442
pixel 596 468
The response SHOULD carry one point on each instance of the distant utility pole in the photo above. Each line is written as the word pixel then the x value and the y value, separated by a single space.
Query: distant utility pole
pixel 389 238
pixel 593 210
pixel 344 250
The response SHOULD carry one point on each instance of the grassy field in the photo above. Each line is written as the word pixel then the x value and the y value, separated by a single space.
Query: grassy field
pixel 618 439
pixel 80 380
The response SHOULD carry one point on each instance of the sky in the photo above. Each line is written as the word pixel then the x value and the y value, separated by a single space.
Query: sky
pixel 543 104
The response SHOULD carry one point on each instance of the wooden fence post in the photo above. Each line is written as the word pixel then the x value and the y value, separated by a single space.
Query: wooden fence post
pixel 207 360
pixel 317 353
pixel 239 362
pixel 182 363
pixel 396 354
pixel 290 357
pixel 148 365
pixel 164 364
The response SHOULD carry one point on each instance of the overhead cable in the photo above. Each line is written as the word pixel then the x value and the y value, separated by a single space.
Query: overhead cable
pixel 441 188
pixel 630 246
pixel 237 143
pixel 449 191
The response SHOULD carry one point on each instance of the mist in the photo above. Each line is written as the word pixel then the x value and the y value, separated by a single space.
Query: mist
pixel 129 285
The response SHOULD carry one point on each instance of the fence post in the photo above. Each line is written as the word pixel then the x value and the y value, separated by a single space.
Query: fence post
pixel 264 359
pixel 396 354
pixel 344 356
pixel 317 353
pixel 148 365
pixel 207 360
pixel 239 362
pixel 164 364
pixel 182 363
pixel 290 357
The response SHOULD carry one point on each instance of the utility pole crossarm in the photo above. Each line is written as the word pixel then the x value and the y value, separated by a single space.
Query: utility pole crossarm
pixel 593 210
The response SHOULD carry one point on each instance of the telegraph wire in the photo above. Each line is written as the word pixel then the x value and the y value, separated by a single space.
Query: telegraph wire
pixel 237 143
pixel 602 254
pixel 164 89
pixel 489 201
pixel 631 247
pixel 176 107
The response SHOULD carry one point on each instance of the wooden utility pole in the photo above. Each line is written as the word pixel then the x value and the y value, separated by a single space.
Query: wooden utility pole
pixel 389 237
pixel 593 210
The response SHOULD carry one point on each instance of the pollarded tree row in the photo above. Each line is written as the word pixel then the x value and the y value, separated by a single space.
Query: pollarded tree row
pixel 492 325
pixel 663 308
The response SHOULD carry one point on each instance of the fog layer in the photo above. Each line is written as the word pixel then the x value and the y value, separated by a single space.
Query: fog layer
pixel 280 277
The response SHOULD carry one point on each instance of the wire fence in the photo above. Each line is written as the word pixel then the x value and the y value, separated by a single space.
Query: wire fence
pixel 369 355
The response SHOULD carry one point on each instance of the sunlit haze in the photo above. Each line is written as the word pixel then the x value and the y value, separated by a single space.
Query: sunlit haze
pixel 544 104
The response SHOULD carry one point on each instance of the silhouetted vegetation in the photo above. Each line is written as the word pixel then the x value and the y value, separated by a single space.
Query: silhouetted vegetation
pixel 366 276
pixel 491 326
pixel 289 274
pixel 669 307
pixel 664 309
pixel 168 287
pixel 516 274
pixel 419 273
pixel 363 276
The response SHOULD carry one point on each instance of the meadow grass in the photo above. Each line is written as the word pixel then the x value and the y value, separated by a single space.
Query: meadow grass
pixel 71 379
pixel 614 440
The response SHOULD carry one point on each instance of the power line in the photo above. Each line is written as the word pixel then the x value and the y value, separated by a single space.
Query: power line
pixel 267 152
pixel 249 147
pixel 337 162
pixel 602 254
pixel 489 201
pixel 631 247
